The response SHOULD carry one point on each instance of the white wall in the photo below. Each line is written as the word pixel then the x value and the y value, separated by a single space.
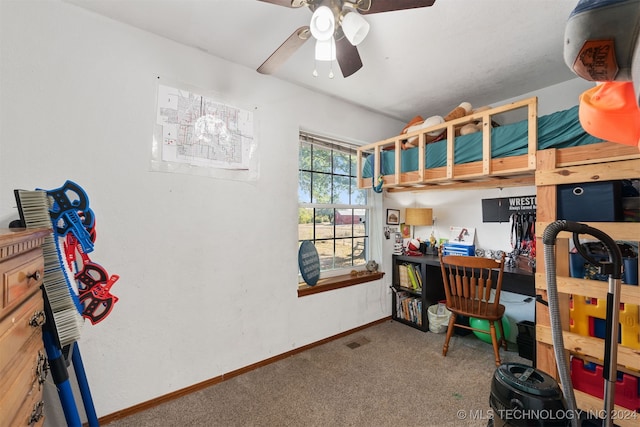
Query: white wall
pixel 208 267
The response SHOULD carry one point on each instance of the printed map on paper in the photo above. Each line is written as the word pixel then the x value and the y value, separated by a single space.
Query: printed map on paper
pixel 200 131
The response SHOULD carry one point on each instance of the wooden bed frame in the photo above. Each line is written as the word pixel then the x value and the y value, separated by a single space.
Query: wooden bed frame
pixel 488 173
pixel 546 169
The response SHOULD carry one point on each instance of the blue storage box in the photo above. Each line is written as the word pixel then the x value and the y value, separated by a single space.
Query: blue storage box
pixel 590 202
pixel 458 249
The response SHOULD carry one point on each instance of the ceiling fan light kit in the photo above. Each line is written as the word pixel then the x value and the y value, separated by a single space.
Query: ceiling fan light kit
pixel 339 22
pixel 355 27
pixel 326 50
pixel 323 23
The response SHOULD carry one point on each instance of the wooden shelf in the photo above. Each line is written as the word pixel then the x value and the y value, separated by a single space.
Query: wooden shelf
pixel 553 170
pixel 432 288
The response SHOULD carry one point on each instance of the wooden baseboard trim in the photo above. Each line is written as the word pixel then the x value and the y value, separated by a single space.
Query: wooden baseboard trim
pixel 216 380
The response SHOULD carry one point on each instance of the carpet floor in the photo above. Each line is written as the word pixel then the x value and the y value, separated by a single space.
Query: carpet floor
pixel 385 375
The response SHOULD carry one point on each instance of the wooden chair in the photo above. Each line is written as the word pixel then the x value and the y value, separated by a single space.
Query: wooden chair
pixel 468 282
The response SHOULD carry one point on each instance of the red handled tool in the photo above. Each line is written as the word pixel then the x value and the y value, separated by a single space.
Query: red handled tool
pixel 95 295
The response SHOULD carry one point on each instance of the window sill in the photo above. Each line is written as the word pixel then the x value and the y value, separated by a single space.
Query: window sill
pixel 337 282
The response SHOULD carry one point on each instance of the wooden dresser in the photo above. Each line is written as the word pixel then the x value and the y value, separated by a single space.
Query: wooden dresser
pixel 23 362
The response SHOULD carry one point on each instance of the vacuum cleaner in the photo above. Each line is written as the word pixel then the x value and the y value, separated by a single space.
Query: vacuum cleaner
pixel 525 396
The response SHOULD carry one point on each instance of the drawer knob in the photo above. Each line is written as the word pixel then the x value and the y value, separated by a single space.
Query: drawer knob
pixel 37 413
pixel 35 275
pixel 42 369
pixel 37 319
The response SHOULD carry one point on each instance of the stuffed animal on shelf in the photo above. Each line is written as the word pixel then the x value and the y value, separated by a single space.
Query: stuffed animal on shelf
pixel 460 111
pixel 475 126
pixel 417 123
pixel 470 128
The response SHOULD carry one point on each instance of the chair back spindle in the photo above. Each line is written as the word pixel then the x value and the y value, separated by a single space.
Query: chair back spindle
pixel 468 284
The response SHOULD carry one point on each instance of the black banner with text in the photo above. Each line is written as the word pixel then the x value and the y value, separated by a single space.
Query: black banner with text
pixel 500 210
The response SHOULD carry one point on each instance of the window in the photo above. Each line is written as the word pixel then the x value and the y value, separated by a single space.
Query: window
pixel 333 213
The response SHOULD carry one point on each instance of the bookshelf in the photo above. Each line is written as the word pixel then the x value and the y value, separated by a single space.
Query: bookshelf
pixel 416 284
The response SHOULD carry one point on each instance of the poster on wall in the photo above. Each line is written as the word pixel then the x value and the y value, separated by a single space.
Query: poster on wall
pixel 198 134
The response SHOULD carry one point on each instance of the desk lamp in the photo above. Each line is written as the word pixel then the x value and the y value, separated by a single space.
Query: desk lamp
pixel 418 216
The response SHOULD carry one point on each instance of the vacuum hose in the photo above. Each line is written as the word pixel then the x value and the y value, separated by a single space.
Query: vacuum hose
pixel 615 270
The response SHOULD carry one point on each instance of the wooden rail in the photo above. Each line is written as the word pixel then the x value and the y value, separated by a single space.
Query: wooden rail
pixel 488 172
pixel 607 162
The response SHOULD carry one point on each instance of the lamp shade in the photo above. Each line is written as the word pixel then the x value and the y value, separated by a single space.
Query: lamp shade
pixel 355 27
pixel 419 216
pixel 323 23
pixel 326 50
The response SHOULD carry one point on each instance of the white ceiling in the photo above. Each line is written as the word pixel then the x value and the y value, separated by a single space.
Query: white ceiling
pixel 418 61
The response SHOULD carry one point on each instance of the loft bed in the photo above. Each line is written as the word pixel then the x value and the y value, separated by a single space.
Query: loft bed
pixel 501 156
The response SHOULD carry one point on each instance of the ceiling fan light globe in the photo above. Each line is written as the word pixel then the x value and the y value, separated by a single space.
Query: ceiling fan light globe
pixel 326 50
pixel 323 23
pixel 355 28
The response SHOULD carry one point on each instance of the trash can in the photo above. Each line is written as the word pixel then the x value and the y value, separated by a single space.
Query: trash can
pixel 438 318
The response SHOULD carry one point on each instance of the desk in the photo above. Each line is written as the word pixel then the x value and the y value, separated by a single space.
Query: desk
pixel 514 279
pixel 409 306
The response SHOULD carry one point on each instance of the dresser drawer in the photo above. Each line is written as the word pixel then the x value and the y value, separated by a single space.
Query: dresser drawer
pixel 23 379
pixel 31 413
pixel 18 328
pixel 21 277
pixel 22 356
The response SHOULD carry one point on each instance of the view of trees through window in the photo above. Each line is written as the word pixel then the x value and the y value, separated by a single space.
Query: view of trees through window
pixel 332 212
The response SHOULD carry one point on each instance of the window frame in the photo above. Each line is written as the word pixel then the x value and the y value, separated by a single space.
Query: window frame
pixel 334 278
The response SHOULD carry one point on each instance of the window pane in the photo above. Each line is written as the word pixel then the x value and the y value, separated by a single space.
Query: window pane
pixel 349 217
pixel 304 156
pixel 321 188
pixel 350 252
pixel 341 163
pixel 359 196
pixel 344 230
pixel 344 253
pixel 354 164
pixel 360 227
pixel 324 223
pixel 325 252
pixel 321 161
pixel 304 187
pixel 305 224
pixel 359 251
pixel 341 190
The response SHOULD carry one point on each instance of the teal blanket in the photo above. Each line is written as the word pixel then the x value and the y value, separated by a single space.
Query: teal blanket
pixel 558 130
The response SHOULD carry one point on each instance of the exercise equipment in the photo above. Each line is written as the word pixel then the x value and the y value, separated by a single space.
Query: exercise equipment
pixel 483 324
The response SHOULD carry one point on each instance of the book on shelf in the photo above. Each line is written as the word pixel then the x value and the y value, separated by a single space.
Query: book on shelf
pixel 408 307
pixel 403 273
pixel 414 277
pixel 400 297
pixel 419 278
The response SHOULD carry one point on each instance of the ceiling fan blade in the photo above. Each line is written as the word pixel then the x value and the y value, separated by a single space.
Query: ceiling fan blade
pixel 286 49
pixel 378 6
pixel 286 3
pixel 348 57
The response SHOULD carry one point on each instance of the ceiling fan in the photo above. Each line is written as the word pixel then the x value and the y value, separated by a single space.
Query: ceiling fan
pixel 337 27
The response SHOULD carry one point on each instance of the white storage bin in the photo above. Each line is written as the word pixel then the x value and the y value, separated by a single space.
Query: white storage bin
pixel 438 318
